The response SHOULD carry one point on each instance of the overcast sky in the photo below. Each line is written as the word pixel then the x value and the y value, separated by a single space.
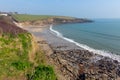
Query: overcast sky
pixel 75 8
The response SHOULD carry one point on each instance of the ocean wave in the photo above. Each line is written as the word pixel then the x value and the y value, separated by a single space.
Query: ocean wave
pixel 95 51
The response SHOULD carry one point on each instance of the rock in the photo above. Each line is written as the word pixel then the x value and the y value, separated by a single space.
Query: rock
pixel 81 77
pixel 118 71
pixel 79 65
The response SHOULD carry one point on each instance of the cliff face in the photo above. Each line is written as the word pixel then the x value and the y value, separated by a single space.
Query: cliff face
pixel 7 26
pixel 55 21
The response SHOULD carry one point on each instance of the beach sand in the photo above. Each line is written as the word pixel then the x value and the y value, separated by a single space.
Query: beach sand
pixel 57 43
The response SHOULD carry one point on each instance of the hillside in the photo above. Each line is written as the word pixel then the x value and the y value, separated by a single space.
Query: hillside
pixel 26 19
pixel 20 56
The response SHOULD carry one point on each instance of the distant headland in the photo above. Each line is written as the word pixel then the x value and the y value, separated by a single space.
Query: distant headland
pixel 27 19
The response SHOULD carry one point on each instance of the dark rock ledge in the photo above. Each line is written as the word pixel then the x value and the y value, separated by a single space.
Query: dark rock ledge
pixel 84 65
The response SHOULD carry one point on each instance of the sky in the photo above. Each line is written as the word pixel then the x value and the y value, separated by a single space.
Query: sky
pixel 75 8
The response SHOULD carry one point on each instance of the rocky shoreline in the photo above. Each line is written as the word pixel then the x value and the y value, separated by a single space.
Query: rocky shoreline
pixel 78 64
pixel 84 65
pixel 74 63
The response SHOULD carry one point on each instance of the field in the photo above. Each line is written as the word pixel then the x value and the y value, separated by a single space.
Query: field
pixel 26 17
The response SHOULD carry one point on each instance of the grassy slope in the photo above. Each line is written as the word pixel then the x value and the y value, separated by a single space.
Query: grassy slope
pixel 26 17
pixel 15 63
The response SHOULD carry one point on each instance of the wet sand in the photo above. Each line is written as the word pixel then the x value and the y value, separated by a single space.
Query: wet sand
pixel 56 42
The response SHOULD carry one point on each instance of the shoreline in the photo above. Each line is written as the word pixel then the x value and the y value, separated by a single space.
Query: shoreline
pixel 85 47
pixel 68 56
pixel 83 57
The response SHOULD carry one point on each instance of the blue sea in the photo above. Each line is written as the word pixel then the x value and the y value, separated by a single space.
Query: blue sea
pixel 101 36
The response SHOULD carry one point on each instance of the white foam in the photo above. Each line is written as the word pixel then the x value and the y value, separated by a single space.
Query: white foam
pixel 57 33
pixel 95 51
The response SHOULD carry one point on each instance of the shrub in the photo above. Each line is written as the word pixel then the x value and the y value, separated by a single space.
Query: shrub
pixel 21 65
pixel 42 72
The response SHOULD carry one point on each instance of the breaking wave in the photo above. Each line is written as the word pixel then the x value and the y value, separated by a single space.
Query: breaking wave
pixel 95 51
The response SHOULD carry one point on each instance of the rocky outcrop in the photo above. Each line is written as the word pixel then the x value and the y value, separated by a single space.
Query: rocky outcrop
pixel 84 65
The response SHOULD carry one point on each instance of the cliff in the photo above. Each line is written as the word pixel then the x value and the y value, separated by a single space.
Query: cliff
pixel 7 26
pixel 46 20
pixel 20 56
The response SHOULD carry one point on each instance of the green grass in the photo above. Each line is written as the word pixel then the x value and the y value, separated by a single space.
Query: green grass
pixel 19 65
pixel 42 72
pixel 14 59
pixel 12 50
pixel 26 17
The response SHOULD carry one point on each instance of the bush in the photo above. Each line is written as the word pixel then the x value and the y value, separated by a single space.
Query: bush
pixel 21 65
pixel 42 72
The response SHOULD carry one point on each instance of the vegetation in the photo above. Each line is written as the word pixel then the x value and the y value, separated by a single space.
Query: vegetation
pixel 20 58
pixel 15 60
pixel 26 17
pixel 42 72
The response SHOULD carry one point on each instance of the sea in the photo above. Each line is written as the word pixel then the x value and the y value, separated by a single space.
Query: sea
pixel 102 36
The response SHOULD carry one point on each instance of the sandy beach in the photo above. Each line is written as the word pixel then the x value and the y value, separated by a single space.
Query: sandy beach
pixel 57 43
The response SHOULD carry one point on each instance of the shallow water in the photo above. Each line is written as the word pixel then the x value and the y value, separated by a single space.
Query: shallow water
pixel 103 34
